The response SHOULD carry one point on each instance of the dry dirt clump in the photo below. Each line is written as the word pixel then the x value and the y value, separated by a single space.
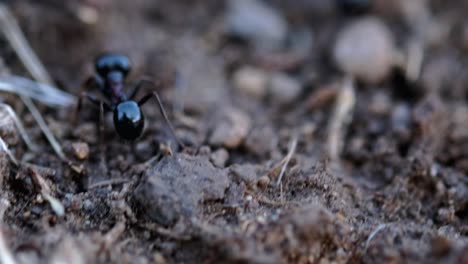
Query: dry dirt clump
pixel 175 187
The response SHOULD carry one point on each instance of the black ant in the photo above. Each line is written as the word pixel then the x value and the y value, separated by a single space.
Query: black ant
pixel 111 71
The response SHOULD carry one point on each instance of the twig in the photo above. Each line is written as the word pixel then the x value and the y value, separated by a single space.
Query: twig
pixel 46 192
pixel 341 118
pixel 287 159
pixel 14 35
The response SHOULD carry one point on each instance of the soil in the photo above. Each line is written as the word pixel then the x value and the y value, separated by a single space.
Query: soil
pixel 397 193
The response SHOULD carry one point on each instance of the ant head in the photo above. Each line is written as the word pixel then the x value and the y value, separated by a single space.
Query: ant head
pixel 112 62
pixel 129 120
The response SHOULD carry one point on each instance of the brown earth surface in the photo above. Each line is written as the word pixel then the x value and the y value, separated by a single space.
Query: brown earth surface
pixel 242 91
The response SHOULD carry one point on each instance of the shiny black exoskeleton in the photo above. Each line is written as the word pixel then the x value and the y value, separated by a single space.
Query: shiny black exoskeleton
pixel 128 120
pixel 354 7
pixel 111 72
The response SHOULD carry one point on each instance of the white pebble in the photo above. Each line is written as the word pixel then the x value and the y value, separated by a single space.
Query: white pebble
pixel 365 49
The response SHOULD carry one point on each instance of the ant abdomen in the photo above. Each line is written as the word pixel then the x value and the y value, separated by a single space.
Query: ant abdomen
pixel 129 121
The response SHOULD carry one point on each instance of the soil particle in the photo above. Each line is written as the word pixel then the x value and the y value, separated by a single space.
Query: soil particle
pixel 364 48
pixel 261 140
pixel 245 173
pixel 177 185
pixel 401 119
pixel 231 126
pixel 87 132
pixel 4 167
pixel 235 196
pixel 251 81
pixel 440 72
pixel 263 182
pixel 430 117
pixel 284 89
pixel 219 157
pixel 281 88
pixel 257 22
pixel 80 150
pixel 198 88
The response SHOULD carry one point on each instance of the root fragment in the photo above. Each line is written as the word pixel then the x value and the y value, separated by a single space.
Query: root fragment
pixel 342 116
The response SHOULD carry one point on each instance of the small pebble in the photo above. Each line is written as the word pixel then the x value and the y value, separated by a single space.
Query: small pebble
pixel 380 103
pixel 365 49
pixel 204 151
pixel 256 22
pixel 88 205
pixel 284 89
pixel 158 258
pixel 441 245
pixel 219 158
pixel 231 128
pixel 251 81
pixel 246 173
pixel 263 182
pixel 86 132
pixel 401 117
pixel 80 150
pixel 143 149
pixel 261 140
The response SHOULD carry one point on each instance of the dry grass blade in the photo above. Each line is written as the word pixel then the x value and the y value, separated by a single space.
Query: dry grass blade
pixel 4 147
pixel 45 129
pixel 46 192
pixel 374 233
pixel 342 116
pixel 13 33
pixel 44 93
pixel 287 159
pixel 7 112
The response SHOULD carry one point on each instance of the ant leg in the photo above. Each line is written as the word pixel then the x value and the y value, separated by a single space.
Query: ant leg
pixel 163 112
pixel 89 83
pixel 93 100
pixel 157 85
pixel 101 126
pixel 101 130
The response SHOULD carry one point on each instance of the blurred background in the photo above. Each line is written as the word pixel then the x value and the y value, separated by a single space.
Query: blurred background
pixel 296 38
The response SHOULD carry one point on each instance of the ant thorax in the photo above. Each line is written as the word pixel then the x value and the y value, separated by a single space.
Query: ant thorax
pixel 113 87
